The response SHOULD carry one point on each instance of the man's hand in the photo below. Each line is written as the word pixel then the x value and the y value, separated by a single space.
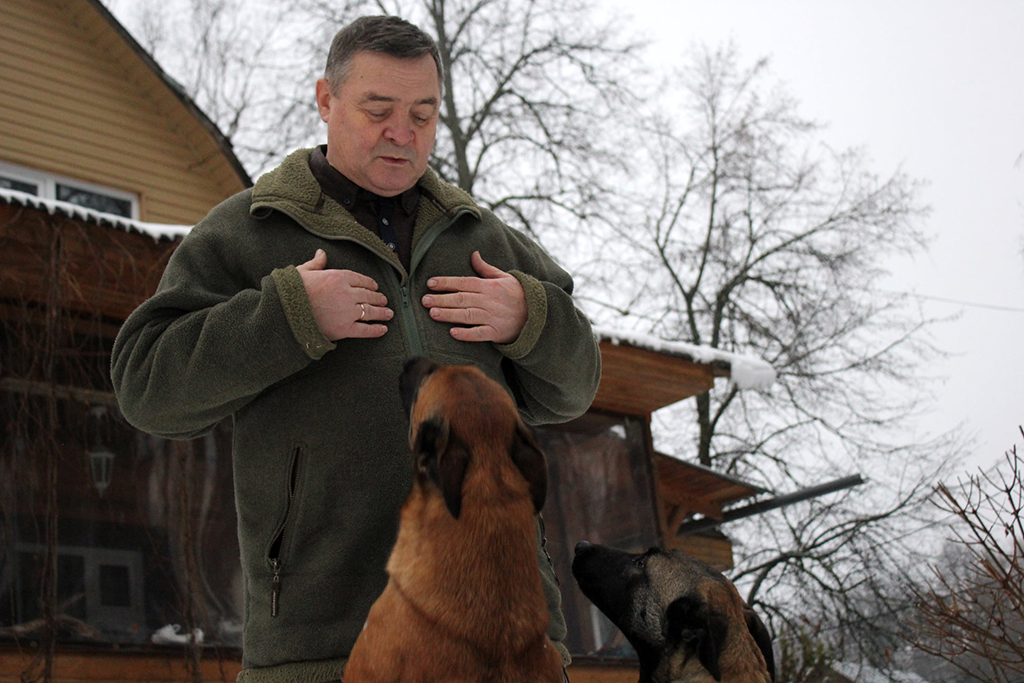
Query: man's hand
pixel 492 307
pixel 344 302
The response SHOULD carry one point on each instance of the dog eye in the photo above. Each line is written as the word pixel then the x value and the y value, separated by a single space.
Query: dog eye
pixel 641 560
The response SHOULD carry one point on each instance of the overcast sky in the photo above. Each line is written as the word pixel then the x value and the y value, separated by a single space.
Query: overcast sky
pixel 936 87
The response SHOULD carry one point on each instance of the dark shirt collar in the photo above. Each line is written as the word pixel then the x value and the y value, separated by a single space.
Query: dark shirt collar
pixel 339 188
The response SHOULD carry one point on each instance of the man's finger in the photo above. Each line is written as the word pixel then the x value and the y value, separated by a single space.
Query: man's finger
pixel 365 331
pixel 453 300
pixel 458 316
pixel 455 284
pixel 358 280
pixel 370 298
pixel 368 311
pixel 480 333
pixel 485 269
pixel 318 262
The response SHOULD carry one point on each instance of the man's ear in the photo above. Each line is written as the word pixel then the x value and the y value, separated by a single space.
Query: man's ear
pixel 527 456
pixel 691 621
pixel 323 99
pixel 443 459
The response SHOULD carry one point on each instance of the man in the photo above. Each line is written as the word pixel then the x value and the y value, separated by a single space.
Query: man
pixel 392 262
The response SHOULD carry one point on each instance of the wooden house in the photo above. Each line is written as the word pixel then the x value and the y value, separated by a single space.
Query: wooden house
pixel 109 537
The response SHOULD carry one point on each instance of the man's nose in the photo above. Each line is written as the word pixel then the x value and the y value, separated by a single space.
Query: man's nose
pixel 400 133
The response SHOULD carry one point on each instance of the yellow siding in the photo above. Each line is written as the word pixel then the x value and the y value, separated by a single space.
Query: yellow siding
pixel 77 101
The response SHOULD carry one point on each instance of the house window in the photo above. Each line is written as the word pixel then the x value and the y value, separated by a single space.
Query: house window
pixel 8 183
pixel 50 186
pixel 600 489
pixel 150 543
pixel 100 201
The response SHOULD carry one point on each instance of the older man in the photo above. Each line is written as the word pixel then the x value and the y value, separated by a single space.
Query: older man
pixel 391 262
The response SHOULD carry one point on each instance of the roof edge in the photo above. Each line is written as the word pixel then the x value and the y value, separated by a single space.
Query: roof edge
pixel 55 207
pixel 743 371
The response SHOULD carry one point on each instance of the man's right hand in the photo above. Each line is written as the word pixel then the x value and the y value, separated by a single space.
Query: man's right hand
pixel 345 303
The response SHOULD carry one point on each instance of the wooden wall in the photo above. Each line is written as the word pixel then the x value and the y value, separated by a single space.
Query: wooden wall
pixel 103 270
pixel 77 101
pixel 81 667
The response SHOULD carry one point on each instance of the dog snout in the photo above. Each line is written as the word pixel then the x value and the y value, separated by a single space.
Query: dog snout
pixel 583 545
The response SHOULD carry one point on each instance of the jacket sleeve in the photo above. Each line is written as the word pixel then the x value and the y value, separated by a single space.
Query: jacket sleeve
pixel 554 367
pixel 211 338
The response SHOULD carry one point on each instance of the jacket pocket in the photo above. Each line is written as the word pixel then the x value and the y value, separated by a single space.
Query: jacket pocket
pixel 274 553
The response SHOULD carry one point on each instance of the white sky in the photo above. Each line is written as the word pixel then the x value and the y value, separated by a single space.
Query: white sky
pixel 936 86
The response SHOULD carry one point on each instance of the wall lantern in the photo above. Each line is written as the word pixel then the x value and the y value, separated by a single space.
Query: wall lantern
pixel 101 462
pixel 101 459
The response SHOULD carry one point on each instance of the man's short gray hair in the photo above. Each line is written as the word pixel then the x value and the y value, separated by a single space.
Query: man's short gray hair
pixel 389 35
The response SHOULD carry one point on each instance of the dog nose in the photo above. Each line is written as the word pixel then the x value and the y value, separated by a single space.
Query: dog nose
pixel 583 545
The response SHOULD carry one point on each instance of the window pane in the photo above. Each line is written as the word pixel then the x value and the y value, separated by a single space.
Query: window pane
pixel 94 200
pixel 599 490
pixel 115 587
pixel 19 185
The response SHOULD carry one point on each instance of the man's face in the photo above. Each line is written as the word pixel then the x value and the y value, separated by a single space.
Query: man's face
pixel 382 121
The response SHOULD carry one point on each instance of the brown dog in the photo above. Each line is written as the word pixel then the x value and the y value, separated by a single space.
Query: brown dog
pixel 686 621
pixel 464 600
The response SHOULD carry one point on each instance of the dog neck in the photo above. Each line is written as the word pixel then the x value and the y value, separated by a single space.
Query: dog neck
pixel 745 666
pixel 485 562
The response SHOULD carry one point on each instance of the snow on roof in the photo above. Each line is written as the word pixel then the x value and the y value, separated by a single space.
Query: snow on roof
pixel 744 372
pixel 158 231
pixel 866 674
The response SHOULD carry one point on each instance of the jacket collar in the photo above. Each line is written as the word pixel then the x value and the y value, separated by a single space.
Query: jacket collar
pixel 292 189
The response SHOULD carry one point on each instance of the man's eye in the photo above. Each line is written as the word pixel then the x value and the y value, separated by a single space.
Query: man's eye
pixel 377 114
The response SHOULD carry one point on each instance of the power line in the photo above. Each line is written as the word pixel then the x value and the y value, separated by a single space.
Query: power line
pixel 969 304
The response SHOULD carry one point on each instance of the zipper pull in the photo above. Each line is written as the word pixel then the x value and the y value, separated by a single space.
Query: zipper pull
pixel 275 589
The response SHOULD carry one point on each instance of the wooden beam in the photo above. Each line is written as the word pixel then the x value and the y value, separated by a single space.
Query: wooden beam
pixel 88 396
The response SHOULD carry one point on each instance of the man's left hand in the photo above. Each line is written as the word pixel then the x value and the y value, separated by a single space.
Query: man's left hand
pixel 491 307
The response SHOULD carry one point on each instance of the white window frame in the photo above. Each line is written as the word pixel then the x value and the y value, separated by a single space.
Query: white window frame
pixel 116 623
pixel 47 183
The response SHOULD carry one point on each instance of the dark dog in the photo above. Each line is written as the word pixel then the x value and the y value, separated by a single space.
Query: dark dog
pixel 686 621
pixel 464 600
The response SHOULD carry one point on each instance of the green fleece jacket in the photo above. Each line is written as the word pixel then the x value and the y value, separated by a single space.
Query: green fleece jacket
pixel 320 452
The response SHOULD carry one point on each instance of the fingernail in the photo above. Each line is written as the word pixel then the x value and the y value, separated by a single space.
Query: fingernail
pixel 431 283
pixel 428 301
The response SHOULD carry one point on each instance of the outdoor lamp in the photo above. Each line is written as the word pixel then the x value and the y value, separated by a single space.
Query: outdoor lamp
pixel 101 459
pixel 101 462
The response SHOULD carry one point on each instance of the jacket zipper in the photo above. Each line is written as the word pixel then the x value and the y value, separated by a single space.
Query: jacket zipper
pixel 396 271
pixel 407 310
pixel 274 555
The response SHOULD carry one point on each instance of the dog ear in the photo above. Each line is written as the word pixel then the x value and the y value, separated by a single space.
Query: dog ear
pixel 443 459
pixel 451 466
pixel 691 620
pixel 414 371
pixel 762 637
pixel 527 456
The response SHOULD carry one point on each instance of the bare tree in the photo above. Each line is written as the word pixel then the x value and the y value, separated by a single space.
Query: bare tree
pixel 971 612
pixel 530 90
pixel 250 65
pixel 754 238
pixel 531 93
